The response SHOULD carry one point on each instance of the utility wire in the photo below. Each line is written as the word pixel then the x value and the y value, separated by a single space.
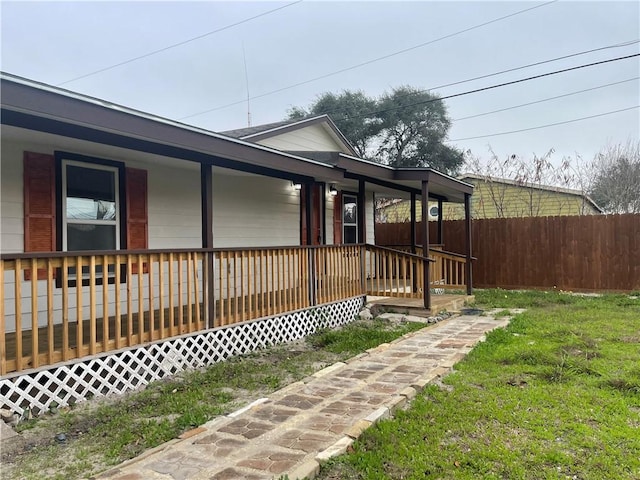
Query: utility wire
pixel 545 126
pixel 179 43
pixel 545 100
pixel 491 87
pixel 564 57
pixel 368 62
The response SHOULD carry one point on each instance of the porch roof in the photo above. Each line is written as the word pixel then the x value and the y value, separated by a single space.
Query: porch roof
pixel 39 107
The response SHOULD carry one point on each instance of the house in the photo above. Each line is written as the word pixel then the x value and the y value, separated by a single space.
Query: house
pixel 502 198
pixel 134 247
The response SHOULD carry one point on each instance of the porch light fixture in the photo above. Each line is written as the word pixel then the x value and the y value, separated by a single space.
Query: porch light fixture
pixel 296 186
pixel 333 191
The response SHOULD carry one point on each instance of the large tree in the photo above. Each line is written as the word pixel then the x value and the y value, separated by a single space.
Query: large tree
pixel 406 127
pixel 348 110
pixel 615 180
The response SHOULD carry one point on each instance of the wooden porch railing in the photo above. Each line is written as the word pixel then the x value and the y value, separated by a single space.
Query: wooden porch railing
pixel 396 272
pixel 254 283
pixel 93 302
pixel 448 270
pixel 130 298
pixel 90 303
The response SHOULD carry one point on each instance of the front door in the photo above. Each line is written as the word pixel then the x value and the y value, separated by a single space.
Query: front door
pixel 317 198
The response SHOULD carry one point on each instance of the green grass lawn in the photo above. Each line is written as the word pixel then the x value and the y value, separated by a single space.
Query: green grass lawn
pixel 556 395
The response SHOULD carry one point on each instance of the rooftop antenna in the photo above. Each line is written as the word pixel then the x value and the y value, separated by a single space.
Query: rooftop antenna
pixel 246 79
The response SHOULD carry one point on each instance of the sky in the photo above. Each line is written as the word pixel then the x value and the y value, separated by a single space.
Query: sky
pixel 285 54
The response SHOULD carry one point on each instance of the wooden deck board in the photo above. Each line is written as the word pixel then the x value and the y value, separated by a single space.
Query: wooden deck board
pixel 415 306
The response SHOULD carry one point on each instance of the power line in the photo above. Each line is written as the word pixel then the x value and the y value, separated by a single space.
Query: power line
pixel 179 43
pixel 545 126
pixel 491 87
pixel 368 62
pixel 545 99
pixel 427 90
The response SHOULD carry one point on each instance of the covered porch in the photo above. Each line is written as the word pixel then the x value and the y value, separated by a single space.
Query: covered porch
pixel 131 298
pixel 207 238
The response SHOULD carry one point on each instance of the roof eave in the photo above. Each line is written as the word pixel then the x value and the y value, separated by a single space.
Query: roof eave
pixel 42 101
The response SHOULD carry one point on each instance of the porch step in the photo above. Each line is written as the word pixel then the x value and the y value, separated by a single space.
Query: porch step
pixel 415 306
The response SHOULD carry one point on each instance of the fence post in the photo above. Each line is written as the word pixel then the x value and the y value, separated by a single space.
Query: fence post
pixel 467 224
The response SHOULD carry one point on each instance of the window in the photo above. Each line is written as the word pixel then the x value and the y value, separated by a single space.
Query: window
pixel 90 207
pixel 78 203
pixel 350 218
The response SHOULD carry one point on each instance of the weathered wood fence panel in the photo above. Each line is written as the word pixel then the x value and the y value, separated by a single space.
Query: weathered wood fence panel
pixel 582 253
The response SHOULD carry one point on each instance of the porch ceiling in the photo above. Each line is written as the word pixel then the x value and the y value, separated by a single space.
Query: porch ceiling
pixel 389 179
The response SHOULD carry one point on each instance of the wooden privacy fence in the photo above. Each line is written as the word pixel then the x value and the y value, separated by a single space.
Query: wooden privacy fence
pixel 582 253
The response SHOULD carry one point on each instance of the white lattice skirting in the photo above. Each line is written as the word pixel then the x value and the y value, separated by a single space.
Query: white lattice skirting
pixel 127 370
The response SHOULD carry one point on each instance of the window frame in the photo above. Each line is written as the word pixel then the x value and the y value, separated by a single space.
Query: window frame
pixel 66 221
pixel 346 195
pixel 61 159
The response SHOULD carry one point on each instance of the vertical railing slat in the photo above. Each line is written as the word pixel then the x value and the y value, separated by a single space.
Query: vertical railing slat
pixel 35 361
pixel 234 282
pixel 18 308
pixel 243 306
pixel 105 304
pixel 118 320
pixel 180 299
pixel 79 310
pixel 196 293
pixel 92 305
pixel 161 315
pixel 172 317
pixel 189 295
pixel 141 329
pixel 150 289
pixel 64 278
pixel 249 291
pixel 129 301
pixel 3 346
pixel 50 318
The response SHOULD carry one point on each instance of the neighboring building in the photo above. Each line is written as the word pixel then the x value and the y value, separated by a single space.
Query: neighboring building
pixel 499 198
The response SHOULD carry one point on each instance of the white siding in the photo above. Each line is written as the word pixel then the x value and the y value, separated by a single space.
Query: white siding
pixel 254 212
pixel 329 217
pixel 308 139
pixel 174 208
pixel 369 215
pixel 11 199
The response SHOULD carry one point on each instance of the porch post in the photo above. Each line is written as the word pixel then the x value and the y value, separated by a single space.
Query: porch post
pixel 425 243
pixel 440 221
pixel 362 231
pixel 206 194
pixel 362 218
pixel 467 225
pixel 413 222
pixel 312 257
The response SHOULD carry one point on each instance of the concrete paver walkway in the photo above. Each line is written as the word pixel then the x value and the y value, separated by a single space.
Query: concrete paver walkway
pixel 299 427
